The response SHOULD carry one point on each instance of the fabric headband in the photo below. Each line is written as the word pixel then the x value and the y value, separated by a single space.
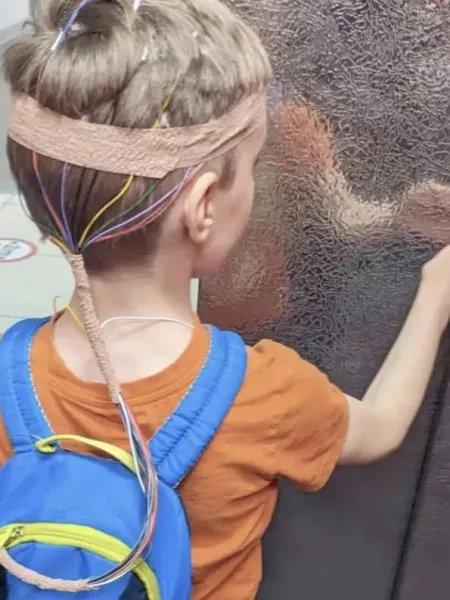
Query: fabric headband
pixel 152 153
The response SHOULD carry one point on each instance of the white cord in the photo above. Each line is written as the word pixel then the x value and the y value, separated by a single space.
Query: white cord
pixel 148 319
pixel 57 41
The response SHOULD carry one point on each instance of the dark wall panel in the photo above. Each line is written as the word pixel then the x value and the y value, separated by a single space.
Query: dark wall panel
pixel 353 195
pixel 426 572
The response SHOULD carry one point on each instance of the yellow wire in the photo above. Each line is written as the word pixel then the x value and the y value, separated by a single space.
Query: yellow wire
pixel 74 316
pixel 60 244
pixel 166 103
pixel 69 309
pixel 102 211
pixel 130 179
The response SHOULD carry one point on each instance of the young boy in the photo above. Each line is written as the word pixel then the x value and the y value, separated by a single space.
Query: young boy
pixel 173 65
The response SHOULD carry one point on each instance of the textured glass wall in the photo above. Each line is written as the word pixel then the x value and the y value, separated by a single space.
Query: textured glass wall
pixel 353 195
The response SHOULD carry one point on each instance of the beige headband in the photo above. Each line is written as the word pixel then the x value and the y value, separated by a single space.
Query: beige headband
pixel 142 152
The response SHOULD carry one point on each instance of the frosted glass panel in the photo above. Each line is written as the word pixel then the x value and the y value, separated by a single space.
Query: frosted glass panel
pixel 353 195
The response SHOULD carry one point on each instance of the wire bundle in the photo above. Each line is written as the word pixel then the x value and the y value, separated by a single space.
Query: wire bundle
pixel 61 234
pixel 133 218
pixel 149 484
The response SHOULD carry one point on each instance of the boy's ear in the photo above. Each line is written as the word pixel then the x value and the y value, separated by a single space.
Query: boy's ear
pixel 198 215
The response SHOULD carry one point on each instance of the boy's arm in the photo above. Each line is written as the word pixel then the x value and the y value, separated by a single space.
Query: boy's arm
pixel 379 424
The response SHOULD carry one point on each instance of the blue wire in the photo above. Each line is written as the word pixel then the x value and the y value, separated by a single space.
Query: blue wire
pixel 69 22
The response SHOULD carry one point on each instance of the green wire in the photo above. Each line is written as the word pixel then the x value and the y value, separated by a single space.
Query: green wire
pixel 139 201
pixel 47 227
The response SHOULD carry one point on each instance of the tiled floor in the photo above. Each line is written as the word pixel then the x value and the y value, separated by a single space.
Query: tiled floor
pixel 28 286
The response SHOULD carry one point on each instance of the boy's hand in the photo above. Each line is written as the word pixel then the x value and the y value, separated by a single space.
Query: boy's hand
pixel 380 423
pixel 436 284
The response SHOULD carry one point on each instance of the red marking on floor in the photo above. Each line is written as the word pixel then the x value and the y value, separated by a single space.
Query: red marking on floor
pixel 16 250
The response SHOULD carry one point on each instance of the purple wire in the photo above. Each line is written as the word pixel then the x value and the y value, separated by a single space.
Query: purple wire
pixel 151 208
pixel 68 235
pixel 45 194
pixel 42 187
pixel 69 22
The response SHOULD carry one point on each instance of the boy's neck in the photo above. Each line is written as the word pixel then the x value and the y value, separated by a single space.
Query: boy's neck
pixel 137 349
pixel 135 293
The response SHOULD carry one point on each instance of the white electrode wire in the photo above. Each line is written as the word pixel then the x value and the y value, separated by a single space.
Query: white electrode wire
pixel 147 319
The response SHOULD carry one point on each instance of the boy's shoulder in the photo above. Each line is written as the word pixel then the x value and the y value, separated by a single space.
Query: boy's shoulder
pixel 281 368
pixel 286 408
pixel 290 410
pixel 285 389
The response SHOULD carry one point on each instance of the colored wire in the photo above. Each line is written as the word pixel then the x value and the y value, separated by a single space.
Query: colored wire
pixel 45 196
pixel 69 23
pixel 61 245
pixel 152 483
pixel 70 310
pixel 148 212
pixel 144 467
pixel 131 177
pixel 47 227
pixel 134 450
pixel 139 201
pixel 148 474
pixel 142 459
pixel 63 212
pixel 152 217
pixel 167 101
pixel 148 216
pixel 145 217
pixel 102 211
pixel 159 208
pixel 105 234
pixel 145 470
pixel 74 316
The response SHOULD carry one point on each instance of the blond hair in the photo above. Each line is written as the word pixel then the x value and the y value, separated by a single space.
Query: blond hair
pixel 192 60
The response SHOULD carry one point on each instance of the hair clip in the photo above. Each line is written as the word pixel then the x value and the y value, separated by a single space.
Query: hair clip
pixel 164 122
pixel 145 54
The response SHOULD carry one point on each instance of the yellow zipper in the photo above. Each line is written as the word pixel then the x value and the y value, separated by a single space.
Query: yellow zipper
pixel 78 536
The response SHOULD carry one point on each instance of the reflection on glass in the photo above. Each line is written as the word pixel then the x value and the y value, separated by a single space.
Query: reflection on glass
pixel 353 195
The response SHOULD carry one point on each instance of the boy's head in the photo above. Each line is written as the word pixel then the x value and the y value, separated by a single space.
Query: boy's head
pixel 140 65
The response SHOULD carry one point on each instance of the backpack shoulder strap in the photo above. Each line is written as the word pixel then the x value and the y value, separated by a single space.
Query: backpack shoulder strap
pixel 20 409
pixel 179 444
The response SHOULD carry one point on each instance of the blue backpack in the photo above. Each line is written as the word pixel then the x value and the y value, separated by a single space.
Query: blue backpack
pixel 70 516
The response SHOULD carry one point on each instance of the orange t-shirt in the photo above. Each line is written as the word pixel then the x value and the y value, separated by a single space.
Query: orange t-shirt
pixel 287 421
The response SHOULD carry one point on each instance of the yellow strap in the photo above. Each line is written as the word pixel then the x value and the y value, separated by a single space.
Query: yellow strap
pixel 5 534
pixel 47 446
